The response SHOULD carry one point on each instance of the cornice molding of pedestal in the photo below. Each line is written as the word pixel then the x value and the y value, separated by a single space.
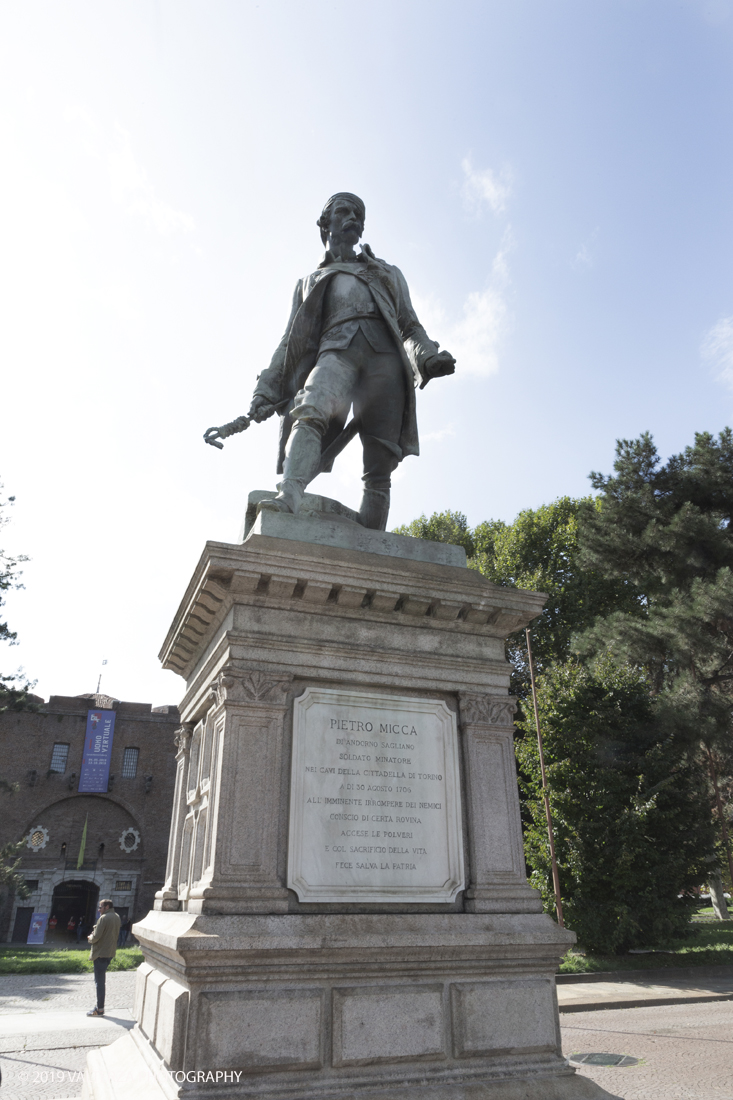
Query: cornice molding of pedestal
pixel 318 580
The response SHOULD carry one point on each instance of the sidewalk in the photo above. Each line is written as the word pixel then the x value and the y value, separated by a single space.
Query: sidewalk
pixel 641 988
pixel 45 1034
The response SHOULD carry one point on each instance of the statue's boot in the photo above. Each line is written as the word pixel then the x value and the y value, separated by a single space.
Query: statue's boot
pixel 302 464
pixel 374 509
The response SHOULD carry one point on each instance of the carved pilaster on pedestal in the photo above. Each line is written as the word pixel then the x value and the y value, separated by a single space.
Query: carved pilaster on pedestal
pixel 167 898
pixel 232 832
pixel 182 739
pixel 486 710
pixel 233 686
pixel 498 876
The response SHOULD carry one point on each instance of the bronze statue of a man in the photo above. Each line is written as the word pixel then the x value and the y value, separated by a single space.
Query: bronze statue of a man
pixel 352 338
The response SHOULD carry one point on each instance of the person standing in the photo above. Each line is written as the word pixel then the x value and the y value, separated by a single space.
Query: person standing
pixel 71 927
pixel 79 929
pixel 103 939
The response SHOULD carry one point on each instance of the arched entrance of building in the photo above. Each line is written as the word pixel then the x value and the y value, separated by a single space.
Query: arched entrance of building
pixel 73 899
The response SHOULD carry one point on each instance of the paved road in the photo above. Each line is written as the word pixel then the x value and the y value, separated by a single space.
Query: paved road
pixel 686 1050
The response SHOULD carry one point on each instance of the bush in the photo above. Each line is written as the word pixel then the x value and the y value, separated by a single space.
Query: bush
pixel 630 809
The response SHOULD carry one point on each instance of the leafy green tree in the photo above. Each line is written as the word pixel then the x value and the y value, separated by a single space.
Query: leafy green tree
pixel 11 877
pixel 629 804
pixel 538 551
pixel 16 694
pixel 12 880
pixel 15 690
pixel 449 527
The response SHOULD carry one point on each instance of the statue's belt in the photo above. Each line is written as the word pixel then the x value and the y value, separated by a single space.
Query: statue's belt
pixel 341 316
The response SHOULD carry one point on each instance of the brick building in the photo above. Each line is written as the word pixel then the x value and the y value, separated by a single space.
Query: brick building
pixel 126 827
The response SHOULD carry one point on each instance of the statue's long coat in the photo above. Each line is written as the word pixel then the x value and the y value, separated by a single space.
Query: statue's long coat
pixel 297 352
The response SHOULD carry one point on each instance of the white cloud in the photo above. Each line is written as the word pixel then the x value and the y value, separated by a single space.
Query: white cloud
pixel 584 255
pixel 475 338
pixel 129 183
pixel 483 186
pixel 132 188
pixel 448 432
pixel 717 346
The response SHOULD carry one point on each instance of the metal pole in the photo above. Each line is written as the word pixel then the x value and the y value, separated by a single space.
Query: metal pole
pixel 545 792
pixel 99 681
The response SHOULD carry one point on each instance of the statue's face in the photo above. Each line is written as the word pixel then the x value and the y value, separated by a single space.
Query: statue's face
pixel 345 224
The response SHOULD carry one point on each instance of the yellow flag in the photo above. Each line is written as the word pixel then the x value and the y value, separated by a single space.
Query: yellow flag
pixel 83 844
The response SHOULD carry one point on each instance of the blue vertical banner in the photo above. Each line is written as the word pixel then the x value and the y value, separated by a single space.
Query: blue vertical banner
pixel 37 930
pixel 97 752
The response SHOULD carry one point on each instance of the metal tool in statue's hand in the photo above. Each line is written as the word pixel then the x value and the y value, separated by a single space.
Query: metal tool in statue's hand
pixel 213 435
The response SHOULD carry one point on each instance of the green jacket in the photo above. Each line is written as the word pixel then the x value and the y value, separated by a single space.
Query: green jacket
pixel 297 352
pixel 104 936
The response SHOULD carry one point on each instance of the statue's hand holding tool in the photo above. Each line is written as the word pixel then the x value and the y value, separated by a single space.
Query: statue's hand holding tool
pixel 437 366
pixel 441 364
pixel 261 409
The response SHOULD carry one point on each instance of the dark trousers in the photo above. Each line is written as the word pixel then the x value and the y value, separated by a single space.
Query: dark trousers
pixel 375 383
pixel 100 974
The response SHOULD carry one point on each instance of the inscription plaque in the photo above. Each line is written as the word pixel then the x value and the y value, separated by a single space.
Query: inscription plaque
pixel 375 812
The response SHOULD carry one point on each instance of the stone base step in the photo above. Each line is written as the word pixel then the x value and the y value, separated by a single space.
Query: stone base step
pixel 120 1072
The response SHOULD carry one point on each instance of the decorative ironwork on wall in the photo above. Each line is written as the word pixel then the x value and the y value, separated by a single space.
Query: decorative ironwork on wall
pixel 37 838
pixel 129 840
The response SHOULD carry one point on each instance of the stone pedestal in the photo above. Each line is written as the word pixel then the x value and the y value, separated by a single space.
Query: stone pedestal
pixel 410 957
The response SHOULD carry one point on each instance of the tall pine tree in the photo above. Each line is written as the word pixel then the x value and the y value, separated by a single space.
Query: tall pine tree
pixel 666 531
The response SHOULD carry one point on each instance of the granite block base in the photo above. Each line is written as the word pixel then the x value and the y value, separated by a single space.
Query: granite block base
pixel 125 1071
pixel 435 1005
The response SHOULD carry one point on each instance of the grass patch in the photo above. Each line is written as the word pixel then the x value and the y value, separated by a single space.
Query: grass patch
pixel 42 960
pixel 707 945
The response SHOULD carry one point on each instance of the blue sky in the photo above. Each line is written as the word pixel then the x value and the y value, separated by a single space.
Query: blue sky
pixel 554 179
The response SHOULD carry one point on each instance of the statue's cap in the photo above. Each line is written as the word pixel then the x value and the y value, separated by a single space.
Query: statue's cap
pixel 322 222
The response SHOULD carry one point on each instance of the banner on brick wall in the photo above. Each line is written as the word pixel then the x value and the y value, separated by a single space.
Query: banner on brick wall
pixel 97 752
